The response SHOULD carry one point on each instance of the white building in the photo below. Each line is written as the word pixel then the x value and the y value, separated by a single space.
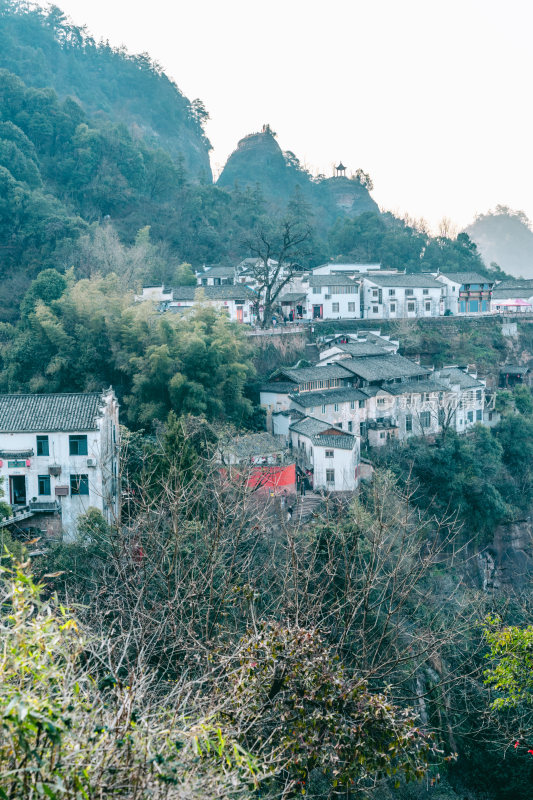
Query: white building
pixel 158 294
pixel 237 301
pixel 399 295
pixel 334 297
pixel 329 456
pixel 59 456
pixel 515 298
pixel 465 404
pixel 216 276
pixel 352 269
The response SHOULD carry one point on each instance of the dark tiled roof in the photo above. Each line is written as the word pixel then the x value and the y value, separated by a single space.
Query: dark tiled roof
pixel 255 444
pixel 522 284
pixel 304 374
pixel 466 277
pixel 386 368
pixel 319 433
pixel 344 442
pixel 416 280
pixel 512 292
pixel 457 375
pixel 360 349
pixel 279 387
pixel 310 399
pixel 36 413
pixel 310 426
pixel 514 369
pixel 415 387
pixel 217 272
pixel 231 292
pixel 292 297
pixel 332 280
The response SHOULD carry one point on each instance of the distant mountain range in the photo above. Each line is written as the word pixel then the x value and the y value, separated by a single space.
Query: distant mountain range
pixel 505 237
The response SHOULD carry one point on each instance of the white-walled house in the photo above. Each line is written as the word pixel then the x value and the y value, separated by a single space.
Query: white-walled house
pixel 59 455
pixel 329 456
pixel 333 297
pixel 216 276
pixel 352 269
pixel 465 404
pixel 158 294
pixel 236 300
pixel 395 296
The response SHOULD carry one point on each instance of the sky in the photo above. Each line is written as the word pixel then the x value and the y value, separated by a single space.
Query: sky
pixel 431 97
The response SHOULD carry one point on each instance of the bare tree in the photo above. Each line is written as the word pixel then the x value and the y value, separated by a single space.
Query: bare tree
pixel 278 247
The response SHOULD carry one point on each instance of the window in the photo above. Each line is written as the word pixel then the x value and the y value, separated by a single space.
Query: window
pixel 317 289
pixel 77 445
pixel 352 404
pixel 336 407
pixel 43 448
pixel 79 484
pixel 361 403
pixel 351 307
pixel 335 308
pixel 329 453
pixel 425 291
pixel 311 409
pixel 410 306
pixel 392 292
pixel 338 424
pixel 470 415
pixel 425 419
pixel 479 415
pixel 408 422
pixel 374 292
pixel 409 292
pixel 428 306
pixel 330 476
pixel 393 307
pixel 382 435
pixel 44 484
pixel 323 409
pixel 350 426
pixel 478 394
pixel 374 309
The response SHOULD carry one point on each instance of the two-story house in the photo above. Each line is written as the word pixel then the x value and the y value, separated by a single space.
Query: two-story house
pixel 330 457
pixel 334 297
pixel 393 296
pixel 59 456
pixel 216 276
pixel 237 301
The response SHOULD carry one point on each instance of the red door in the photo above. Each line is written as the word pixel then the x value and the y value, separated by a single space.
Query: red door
pixel 239 313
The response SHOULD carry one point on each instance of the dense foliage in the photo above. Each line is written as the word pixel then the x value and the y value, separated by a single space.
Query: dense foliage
pixel 88 334
pixel 483 479
pixel 91 137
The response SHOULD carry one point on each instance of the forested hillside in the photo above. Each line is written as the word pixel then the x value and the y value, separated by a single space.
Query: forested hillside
pixel 97 144
pixel 46 50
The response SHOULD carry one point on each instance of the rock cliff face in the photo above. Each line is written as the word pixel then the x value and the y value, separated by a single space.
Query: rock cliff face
pixel 507 564
pixel 259 159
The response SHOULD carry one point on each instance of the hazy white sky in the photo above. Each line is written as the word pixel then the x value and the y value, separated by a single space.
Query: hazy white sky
pixel 432 97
